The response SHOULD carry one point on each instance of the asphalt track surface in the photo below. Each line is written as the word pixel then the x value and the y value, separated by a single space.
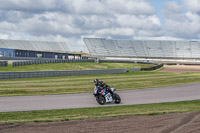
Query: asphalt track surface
pixel 140 96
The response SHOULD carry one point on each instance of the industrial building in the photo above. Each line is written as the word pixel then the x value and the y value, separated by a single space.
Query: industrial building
pixel 36 49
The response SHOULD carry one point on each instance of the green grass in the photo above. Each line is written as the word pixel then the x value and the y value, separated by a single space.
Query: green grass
pixel 99 112
pixel 72 66
pixel 84 83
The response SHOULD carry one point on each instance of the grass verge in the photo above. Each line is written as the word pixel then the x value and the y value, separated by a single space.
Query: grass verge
pixel 73 66
pixel 99 112
pixel 84 83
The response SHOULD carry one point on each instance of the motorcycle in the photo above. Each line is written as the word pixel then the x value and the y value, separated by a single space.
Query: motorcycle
pixel 104 96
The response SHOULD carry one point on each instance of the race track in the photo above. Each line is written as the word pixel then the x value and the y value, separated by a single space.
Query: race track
pixel 129 97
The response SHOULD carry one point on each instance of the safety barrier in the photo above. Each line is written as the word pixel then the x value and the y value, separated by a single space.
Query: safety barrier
pixel 18 58
pixel 116 61
pixel 45 61
pixel 152 68
pixel 134 69
pixel 34 74
pixel 147 69
pixel 121 61
pixel 3 63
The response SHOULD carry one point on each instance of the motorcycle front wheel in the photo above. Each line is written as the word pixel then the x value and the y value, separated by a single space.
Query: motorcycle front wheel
pixel 117 98
pixel 101 99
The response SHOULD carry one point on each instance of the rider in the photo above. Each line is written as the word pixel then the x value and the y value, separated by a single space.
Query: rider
pixel 101 85
pixel 96 81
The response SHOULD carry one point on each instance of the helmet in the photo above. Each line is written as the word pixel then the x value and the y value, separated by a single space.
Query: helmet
pixel 96 81
pixel 101 83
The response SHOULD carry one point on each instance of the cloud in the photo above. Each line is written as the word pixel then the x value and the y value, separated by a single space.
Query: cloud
pixel 188 27
pixel 89 7
pixel 116 32
pixel 172 7
pixel 71 20
pixel 80 17
pixel 159 38
pixel 181 21
pixel 80 6
pixel 6 26
pixel 28 5
pixel 192 5
pixel 139 21
pixel 130 6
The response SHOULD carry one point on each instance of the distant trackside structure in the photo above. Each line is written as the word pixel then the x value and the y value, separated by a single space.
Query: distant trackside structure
pixel 143 48
pixel 35 49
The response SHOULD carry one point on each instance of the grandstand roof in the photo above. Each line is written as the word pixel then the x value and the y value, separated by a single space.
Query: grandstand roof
pixel 42 46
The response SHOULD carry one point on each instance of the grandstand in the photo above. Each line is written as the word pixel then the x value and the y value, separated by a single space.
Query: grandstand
pixel 101 47
pixel 35 49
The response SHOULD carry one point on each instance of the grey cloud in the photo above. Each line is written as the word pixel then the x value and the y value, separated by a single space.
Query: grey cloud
pixel 181 24
pixel 95 21
pixel 41 25
pixel 28 5
pixel 80 6
pixel 188 27
pixel 58 20
pixel 6 26
pixel 192 5
pixel 131 6
pixel 14 16
pixel 172 7
pixel 139 21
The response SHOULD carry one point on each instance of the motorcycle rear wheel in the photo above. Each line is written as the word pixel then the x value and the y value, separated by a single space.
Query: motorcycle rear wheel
pixel 101 99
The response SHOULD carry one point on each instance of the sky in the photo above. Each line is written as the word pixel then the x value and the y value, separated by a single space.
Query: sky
pixel 72 20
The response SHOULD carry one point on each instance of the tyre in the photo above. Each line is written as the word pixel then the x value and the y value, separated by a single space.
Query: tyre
pixel 117 98
pixel 101 99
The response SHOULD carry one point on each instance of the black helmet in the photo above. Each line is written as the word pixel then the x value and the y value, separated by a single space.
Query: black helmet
pixel 101 83
pixel 96 81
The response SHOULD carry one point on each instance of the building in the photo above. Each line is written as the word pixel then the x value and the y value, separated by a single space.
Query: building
pixel 36 49
pixel 183 49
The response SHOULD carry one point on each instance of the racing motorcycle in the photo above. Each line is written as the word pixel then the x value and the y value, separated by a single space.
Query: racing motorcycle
pixel 104 96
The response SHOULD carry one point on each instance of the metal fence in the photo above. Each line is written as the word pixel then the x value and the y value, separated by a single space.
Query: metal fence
pixel 18 58
pixel 124 61
pixel 134 69
pixel 157 66
pixel 115 61
pixel 34 74
pixel 45 61
pixel 3 63
pixel 152 68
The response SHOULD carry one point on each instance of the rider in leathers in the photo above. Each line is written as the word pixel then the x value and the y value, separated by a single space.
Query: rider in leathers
pixel 101 85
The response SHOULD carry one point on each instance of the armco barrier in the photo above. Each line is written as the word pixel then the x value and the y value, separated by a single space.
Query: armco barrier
pixel 116 61
pixel 18 58
pixel 134 69
pixel 152 68
pixel 34 74
pixel 45 61
pixel 3 63
pixel 146 69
